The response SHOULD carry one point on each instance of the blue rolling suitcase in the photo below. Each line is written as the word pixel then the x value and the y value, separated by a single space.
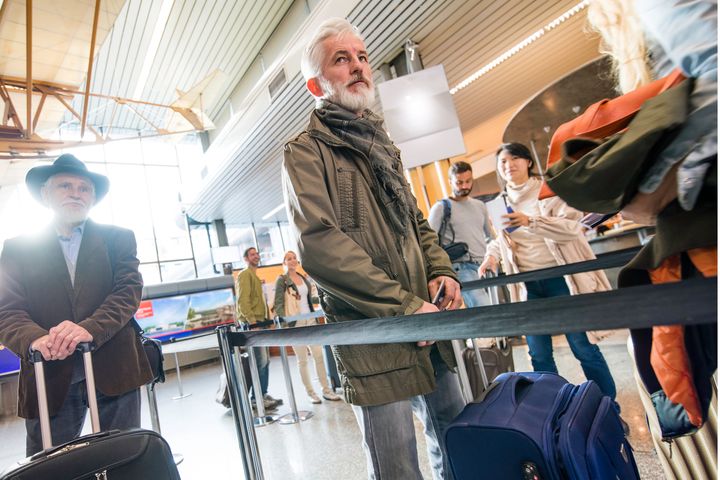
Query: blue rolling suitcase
pixel 537 426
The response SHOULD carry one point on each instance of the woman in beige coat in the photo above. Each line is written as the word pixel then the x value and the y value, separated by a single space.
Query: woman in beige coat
pixel 294 296
pixel 542 234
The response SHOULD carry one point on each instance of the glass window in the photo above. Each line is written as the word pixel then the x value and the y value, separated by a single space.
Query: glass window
pixel 150 273
pixel 158 151
pixel 201 247
pixel 270 243
pixel 123 151
pixel 242 236
pixel 288 237
pixel 167 216
pixel 178 270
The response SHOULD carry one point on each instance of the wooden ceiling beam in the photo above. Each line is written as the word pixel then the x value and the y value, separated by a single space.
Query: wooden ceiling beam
pixel 28 66
pixel 88 77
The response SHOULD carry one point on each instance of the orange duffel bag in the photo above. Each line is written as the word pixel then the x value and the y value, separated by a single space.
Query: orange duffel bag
pixel 605 118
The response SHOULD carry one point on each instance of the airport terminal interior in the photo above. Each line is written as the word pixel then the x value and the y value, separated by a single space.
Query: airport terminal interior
pixel 186 106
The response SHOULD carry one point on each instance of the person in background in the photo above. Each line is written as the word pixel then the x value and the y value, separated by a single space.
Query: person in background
pixel 363 239
pixel 78 281
pixel 542 234
pixel 294 296
pixel 252 308
pixel 469 223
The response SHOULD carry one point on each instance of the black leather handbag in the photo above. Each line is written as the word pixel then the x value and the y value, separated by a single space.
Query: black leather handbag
pixel 153 352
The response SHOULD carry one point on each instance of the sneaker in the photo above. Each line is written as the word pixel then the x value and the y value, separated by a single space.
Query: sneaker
pixel 314 398
pixel 331 396
pixel 268 404
pixel 268 398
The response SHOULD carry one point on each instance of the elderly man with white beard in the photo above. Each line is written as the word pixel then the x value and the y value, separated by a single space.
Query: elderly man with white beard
pixel 361 236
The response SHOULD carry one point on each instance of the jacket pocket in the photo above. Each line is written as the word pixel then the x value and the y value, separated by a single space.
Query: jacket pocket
pixel 382 261
pixel 366 360
pixel 353 205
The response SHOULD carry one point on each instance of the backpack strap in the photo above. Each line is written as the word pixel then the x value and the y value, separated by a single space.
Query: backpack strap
pixel 445 224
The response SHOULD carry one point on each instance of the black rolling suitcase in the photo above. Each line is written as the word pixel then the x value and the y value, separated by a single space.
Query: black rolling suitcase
pixel 131 454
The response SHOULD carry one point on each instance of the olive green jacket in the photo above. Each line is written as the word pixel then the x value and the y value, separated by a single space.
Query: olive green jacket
pixel 251 306
pixel 362 268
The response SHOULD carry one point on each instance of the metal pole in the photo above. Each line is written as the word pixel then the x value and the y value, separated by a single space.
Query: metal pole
pixel 42 401
pixel 242 414
pixel 91 395
pixel 294 416
pixel 480 364
pixel 462 371
pixel 179 379
pixel 152 405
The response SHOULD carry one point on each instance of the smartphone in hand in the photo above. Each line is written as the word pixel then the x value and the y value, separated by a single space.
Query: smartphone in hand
pixel 439 295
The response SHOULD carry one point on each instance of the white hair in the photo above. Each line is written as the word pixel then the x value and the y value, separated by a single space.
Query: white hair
pixel 313 55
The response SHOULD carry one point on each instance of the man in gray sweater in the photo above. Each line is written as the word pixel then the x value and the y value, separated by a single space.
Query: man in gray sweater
pixel 469 223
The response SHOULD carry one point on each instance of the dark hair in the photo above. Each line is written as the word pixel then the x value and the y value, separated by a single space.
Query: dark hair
pixel 517 150
pixel 459 167
pixel 247 251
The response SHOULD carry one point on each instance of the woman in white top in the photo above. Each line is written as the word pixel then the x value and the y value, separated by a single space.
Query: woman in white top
pixel 541 234
pixel 294 296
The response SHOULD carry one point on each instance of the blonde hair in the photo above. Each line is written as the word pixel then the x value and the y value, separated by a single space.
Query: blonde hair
pixel 623 38
pixel 284 262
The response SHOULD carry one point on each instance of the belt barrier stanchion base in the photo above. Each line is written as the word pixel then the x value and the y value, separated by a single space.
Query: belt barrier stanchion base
pixel 241 409
pixel 294 416
pixel 180 394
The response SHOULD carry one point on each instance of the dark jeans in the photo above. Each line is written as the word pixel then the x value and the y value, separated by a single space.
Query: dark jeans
pixel 541 351
pixel 116 413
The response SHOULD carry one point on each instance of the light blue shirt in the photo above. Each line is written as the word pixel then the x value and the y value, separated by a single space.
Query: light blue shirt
pixel 71 248
pixel 683 33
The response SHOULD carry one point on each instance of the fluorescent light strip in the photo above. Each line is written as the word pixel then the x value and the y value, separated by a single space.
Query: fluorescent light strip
pixel 532 38
pixel 153 47
pixel 273 211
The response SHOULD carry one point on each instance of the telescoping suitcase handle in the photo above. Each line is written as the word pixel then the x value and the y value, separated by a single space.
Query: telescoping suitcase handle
pixel 39 363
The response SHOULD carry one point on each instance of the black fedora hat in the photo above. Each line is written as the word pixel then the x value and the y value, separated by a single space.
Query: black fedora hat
pixel 65 163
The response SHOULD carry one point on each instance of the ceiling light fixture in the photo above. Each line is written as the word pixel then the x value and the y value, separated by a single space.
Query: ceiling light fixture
pixel 509 53
pixel 273 211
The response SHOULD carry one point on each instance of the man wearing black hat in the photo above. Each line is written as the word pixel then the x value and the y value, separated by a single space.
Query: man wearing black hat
pixel 76 282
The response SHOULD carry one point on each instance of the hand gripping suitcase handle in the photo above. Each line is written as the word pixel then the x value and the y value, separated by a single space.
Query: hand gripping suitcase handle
pixel 39 363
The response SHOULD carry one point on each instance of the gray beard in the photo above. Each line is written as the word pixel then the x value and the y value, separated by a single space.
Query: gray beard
pixel 339 95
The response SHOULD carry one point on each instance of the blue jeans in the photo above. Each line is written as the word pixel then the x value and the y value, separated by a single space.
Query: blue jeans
pixel 467 272
pixel 389 432
pixel 116 413
pixel 591 358
pixel 262 358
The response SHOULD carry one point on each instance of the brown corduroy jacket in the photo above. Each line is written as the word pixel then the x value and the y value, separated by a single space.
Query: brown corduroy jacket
pixel 36 294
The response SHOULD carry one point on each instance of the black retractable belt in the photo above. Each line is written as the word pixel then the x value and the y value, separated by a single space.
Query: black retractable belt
pixel 688 302
pixel 606 260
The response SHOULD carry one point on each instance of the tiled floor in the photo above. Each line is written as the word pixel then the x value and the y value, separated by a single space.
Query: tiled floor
pixel 327 446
